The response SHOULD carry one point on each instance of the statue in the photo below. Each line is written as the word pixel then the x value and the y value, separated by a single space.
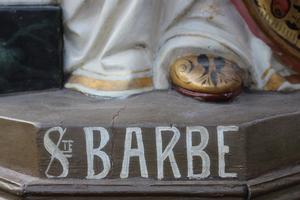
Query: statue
pixel 158 144
pixel 203 49
pixel 206 49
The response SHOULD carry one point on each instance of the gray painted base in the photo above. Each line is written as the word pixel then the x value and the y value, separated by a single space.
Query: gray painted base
pixel 264 152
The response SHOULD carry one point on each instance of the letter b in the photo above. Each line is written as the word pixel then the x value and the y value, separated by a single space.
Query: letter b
pixel 197 150
pixel 92 152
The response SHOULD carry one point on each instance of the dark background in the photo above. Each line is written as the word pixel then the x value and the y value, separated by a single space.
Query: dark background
pixel 30 48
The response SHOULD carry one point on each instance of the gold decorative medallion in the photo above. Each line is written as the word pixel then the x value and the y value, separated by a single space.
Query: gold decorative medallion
pixel 280 20
pixel 206 74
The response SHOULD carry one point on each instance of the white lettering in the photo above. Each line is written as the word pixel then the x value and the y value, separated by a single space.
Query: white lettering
pixel 197 151
pixel 91 152
pixel 168 152
pixel 224 149
pixel 55 152
pixel 129 152
pixel 195 147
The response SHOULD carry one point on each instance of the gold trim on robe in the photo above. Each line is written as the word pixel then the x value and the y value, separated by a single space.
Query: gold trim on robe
pixel 274 82
pixel 111 85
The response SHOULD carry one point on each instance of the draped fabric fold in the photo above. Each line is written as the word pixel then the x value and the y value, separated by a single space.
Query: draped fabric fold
pixel 117 48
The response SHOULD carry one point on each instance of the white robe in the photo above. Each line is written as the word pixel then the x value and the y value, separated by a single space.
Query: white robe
pixel 116 48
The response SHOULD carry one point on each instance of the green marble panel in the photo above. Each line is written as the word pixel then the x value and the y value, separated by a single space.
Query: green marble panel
pixel 30 48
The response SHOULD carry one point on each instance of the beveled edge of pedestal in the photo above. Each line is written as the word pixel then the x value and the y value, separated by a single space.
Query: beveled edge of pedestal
pixel 21 185
pixel 35 124
pixel 14 182
pixel 274 181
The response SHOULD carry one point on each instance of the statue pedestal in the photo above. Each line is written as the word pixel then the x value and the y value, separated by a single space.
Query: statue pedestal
pixel 156 145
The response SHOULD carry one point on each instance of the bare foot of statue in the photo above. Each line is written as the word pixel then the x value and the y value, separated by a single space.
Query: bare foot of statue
pixel 206 77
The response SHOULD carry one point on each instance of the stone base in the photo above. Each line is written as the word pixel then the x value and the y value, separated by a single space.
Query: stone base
pixel 258 160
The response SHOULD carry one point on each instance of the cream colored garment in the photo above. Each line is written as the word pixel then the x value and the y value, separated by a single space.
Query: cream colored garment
pixel 116 48
pixel 110 45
